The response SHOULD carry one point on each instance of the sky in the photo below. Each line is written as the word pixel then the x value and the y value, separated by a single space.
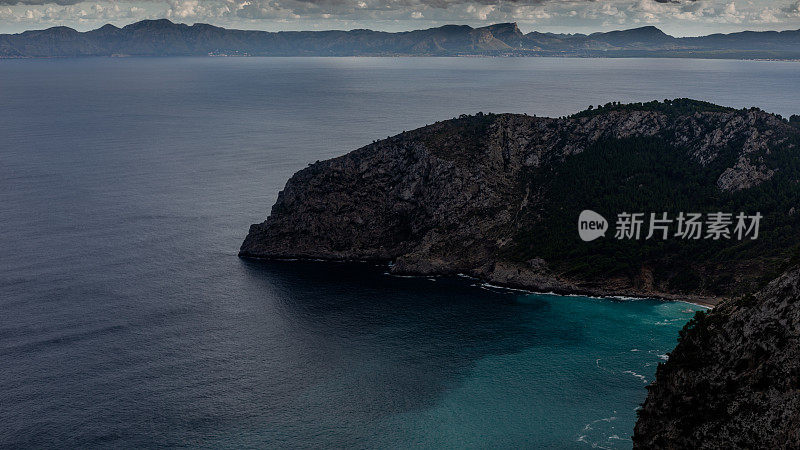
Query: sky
pixel 675 17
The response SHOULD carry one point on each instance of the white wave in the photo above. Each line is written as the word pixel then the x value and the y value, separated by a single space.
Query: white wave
pixel 603 442
pixel 641 377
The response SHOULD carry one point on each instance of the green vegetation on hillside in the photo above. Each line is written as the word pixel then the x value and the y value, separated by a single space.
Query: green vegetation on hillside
pixel 644 175
pixel 676 107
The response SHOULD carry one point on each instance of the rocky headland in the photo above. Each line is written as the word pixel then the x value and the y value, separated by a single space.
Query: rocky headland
pixel 733 381
pixel 497 196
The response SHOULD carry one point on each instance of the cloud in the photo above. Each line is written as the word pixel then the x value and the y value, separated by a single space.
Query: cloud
pixel 480 12
pixel 792 10
pixel 194 9
pixel 39 2
pixel 60 14
pixel 730 14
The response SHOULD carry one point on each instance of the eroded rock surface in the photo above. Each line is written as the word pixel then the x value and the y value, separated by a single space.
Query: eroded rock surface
pixel 455 196
pixel 734 379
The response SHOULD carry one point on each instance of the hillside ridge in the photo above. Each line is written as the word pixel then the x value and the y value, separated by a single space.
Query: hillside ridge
pixel 162 37
pixel 497 196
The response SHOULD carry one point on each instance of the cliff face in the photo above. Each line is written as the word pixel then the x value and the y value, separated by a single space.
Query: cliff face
pixel 497 196
pixel 733 381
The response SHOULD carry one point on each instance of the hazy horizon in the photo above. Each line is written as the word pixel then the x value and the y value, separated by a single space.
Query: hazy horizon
pixel 524 30
pixel 679 18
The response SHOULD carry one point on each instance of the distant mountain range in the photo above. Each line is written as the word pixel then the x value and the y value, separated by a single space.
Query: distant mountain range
pixel 165 38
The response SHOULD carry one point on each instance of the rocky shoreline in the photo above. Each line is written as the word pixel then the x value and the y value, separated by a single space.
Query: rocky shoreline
pixel 543 286
pixel 495 196
pixel 733 379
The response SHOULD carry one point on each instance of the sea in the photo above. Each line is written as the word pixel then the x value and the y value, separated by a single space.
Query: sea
pixel 127 319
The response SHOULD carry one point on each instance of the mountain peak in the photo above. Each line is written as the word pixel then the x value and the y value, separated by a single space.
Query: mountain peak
pixel 59 30
pixel 452 27
pixel 633 36
pixel 506 32
pixel 649 30
pixel 152 24
pixel 505 27
pixel 107 28
pixel 206 26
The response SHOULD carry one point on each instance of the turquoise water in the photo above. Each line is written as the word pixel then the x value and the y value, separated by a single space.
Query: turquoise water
pixel 127 186
pixel 395 362
pixel 582 391
pixel 452 363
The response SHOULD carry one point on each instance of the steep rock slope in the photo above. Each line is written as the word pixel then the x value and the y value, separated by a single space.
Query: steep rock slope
pixel 498 196
pixel 733 381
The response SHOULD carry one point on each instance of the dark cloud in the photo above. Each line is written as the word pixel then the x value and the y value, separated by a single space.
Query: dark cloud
pixel 794 8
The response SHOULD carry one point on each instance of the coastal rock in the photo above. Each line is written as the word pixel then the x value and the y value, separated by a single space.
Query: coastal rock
pixel 484 195
pixel 733 381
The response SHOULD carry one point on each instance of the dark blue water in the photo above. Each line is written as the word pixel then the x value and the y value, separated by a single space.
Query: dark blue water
pixel 127 185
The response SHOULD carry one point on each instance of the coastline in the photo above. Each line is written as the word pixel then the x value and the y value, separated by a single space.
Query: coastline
pixel 411 55
pixel 558 288
pixel 703 303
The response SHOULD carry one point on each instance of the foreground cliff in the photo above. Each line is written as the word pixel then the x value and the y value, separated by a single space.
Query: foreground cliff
pixel 734 379
pixel 498 196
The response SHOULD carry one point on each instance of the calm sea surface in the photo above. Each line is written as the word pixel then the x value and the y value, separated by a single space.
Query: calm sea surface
pixel 126 319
